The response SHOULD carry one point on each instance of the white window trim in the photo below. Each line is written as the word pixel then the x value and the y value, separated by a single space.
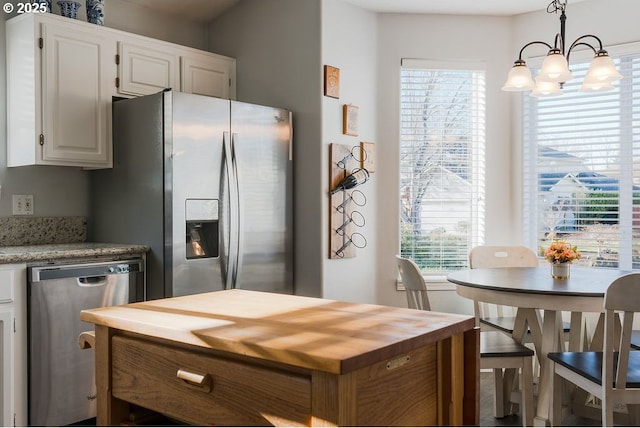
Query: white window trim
pixel 625 219
pixel 479 153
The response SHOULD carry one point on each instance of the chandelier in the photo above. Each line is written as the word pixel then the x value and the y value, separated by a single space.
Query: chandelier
pixel 555 71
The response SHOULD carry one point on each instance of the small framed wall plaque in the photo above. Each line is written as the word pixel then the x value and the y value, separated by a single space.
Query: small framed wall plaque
pixel 331 81
pixel 368 156
pixel 350 120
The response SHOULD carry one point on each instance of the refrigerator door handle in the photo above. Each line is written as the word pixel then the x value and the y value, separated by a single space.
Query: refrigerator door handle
pixel 233 250
pixel 240 212
pixel 290 136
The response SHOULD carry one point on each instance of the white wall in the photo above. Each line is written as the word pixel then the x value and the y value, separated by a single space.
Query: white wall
pixel 495 40
pixel 63 191
pixel 349 36
pixel 472 38
pixel 614 21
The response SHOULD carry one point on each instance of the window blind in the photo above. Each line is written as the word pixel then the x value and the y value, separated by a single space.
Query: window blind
pixel 442 146
pixel 582 170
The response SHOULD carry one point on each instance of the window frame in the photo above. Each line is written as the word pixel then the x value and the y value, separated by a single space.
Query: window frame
pixel 476 155
pixel 531 185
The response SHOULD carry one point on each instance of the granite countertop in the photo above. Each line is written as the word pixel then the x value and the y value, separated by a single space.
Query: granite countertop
pixel 36 253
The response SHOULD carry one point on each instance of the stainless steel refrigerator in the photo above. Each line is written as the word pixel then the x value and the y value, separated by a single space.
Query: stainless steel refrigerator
pixel 207 184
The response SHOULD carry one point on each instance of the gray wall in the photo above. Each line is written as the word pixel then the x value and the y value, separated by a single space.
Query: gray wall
pixel 277 47
pixel 57 191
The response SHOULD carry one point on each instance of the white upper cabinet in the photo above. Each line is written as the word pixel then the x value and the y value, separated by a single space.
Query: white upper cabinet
pixel 62 75
pixel 212 75
pixel 76 97
pixel 146 68
pixel 58 93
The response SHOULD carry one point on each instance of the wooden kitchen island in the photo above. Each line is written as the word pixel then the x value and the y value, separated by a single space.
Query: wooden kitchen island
pixel 238 357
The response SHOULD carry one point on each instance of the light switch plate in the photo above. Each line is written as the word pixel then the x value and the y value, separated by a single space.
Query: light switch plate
pixel 22 204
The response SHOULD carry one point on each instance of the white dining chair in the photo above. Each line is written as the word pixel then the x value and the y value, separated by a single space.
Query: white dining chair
pixel 498 317
pixel 502 318
pixel 612 375
pixel 497 350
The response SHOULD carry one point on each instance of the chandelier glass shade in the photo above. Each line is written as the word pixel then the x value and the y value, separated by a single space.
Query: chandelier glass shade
pixel 555 68
pixel 546 89
pixel 601 76
pixel 519 78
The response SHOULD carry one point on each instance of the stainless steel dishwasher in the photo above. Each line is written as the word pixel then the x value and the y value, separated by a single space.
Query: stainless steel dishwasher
pixel 61 376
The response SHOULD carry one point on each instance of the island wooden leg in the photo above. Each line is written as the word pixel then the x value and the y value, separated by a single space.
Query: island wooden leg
pixel 333 402
pixel 444 381
pixel 458 379
pixel 110 410
pixel 471 401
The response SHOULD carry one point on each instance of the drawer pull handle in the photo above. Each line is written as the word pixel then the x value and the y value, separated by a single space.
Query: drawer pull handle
pixel 398 362
pixel 202 381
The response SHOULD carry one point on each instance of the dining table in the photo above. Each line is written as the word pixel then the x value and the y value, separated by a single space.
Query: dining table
pixel 539 300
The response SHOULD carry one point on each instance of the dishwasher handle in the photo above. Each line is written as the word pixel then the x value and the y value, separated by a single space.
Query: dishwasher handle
pixel 81 270
pixel 92 281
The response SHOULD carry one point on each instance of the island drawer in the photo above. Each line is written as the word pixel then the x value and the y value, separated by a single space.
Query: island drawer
pixel 196 387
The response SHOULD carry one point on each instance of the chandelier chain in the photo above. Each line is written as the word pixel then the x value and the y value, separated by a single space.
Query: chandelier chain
pixel 557 5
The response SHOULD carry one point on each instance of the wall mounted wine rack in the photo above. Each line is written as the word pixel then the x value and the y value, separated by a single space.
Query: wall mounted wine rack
pixel 344 217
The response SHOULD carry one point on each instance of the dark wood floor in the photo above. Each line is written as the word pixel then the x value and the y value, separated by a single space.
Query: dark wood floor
pixel 486 409
pixel 486 406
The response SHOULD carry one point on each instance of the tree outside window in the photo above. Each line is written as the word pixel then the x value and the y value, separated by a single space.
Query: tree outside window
pixel 441 164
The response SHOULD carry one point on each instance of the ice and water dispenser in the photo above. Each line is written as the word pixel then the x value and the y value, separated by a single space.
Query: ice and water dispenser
pixel 201 216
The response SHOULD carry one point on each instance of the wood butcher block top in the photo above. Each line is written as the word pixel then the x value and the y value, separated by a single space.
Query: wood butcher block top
pixel 318 334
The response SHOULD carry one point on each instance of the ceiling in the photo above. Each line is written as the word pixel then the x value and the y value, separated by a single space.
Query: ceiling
pixel 194 10
pixel 208 10
pixel 455 7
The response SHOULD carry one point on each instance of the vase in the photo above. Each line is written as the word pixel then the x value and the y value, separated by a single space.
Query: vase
pixel 47 4
pixel 69 9
pixel 560 270
pixel 95 12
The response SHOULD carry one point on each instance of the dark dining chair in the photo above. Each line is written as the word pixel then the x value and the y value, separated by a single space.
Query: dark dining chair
pixel 497 317
pixel 497 350
pixel 613 374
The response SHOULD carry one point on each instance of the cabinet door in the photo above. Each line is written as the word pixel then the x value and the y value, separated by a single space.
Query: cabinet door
pixel 76 96
pixel 146 69
pixel 208 75
pixel 6 354
pixel 9 275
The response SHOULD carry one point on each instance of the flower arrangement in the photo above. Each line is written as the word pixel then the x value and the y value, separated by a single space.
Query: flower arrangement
pixel 561 252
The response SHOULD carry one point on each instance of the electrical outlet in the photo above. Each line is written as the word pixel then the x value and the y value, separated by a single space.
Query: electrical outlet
pixel 22 204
